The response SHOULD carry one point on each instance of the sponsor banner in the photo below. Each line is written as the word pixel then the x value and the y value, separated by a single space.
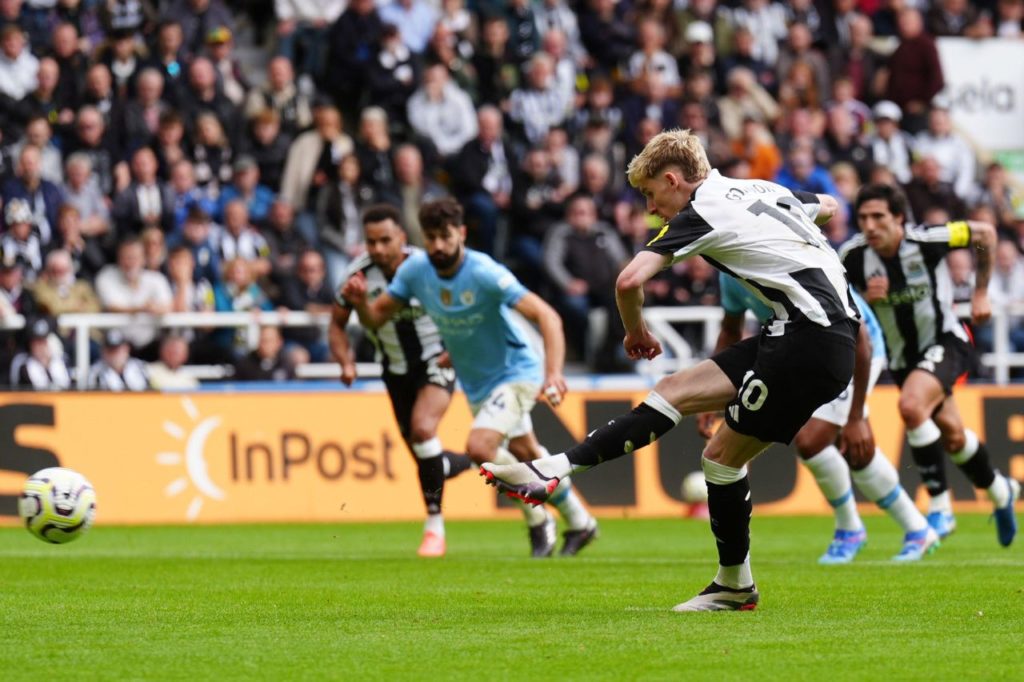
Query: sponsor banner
pixel 985 83
pixel 336 457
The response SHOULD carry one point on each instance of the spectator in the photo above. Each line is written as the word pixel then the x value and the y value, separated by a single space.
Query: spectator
pixel 220 50
pixel 138 121
pixel 522 29
pixel 92 139
pixel 123 58
pixel 309 291
pixel 652 101
pixel 535 206
pixel 757 147
pixel 46 102
pixel 82 191
pixel 564 158
pixel 767 22
pixel 890 146
pixel 58 290
pixel 1007 287
pixel 997 194
pixel 858 61
pixel 246 186
pixel 596 185
pixel 844 146
pixel 311 153
pixel 87 256
pixel 352 43
pixel 608 38
pixel 168 373
pixel 169 59
pixel 237 293
pixel 374 150
pixel 99 91
pixel 268 362
pixel 128 287
pixel 202 93
pixel 1009 19
pixel 135 16
pixel 117 370
pixel 651 57
pixel 708 12
pixel 73 65
pixel 953 18
pixel 280 94
pixel 186 195
pixel 598 138
pixel 556 15
pixel 18 66
pixel 494 63
pixel 441 112
pixel 448 48
pixel 302 31
pixel 414 189
pixel 415 20
pixel 957 165
pixel 799 48
pixel 541 104
pixel 286 243
pixel 742 56
pixel 339 211
pixel 39 135
pixel 913 74
pixel 42 198
pixel 928 190
pixel 211 154
pixel 843 97
pixel 21 242
pixel 743 99
pixel 169 145
pixel 481 178
pixel 394 75
pixel 145 202
pixel 582 258
pixel 197 19
pixel 154 249
pixel 239 239
pixel 42 367
pixel 191 295
pixel 198 234
pixel 802 173
pixel 268 148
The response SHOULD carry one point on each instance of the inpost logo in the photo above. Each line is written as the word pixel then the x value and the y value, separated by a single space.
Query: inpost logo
pixel 191 459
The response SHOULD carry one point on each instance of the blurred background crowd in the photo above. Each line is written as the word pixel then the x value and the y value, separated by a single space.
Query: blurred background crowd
pixel 203 155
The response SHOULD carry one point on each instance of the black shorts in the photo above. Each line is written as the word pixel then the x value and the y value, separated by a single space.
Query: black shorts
pixel 403 389
pixel 782 380
pixel 948 359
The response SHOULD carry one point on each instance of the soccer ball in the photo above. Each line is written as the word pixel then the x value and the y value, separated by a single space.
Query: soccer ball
pixel 57 504
pixel 694 489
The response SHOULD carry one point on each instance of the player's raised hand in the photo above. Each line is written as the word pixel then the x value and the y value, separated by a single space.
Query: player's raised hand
pixel 877 289
pixel 641 345
pixel 981 306
pixel 554 389
pixel 354 290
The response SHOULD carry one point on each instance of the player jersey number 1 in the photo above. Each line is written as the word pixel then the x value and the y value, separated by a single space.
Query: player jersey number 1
pixel 782 215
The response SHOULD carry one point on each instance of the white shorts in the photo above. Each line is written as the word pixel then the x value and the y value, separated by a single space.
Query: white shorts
pixel 507 409
pixel 838 411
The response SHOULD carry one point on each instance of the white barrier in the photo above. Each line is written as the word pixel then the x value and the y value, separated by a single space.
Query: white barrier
pixel 679 352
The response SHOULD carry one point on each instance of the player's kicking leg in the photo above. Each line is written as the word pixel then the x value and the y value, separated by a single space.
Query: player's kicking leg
pixel 971 456
pixel 581 526
pixel 434 463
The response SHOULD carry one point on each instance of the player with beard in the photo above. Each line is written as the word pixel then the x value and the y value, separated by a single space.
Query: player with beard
pixel 417 376
pixel 470 297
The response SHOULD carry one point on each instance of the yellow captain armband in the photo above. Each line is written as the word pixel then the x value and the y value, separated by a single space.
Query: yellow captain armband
pixel 661 233
pixel 959 233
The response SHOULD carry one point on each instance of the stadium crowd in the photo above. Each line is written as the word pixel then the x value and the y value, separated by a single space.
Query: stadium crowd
pixel 202 155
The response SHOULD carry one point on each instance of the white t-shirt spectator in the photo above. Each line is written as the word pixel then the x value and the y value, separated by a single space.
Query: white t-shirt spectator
pixel 18 76
pixel 115 291
pixel 449 122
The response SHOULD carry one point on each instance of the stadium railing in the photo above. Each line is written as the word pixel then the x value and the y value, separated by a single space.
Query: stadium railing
pixel 661 320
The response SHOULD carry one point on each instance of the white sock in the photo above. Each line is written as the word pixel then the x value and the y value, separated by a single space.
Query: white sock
pixel 428 449
pixel 735 577
pixel 434 524
pixel 833 477
pixel 534 515
pixel 880 483
pixel 721 474
pixel 941 502
pixel 925 434
pixel 999 491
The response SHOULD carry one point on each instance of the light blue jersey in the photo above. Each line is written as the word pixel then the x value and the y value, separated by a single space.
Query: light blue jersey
pixel 472 312
pixel 737 299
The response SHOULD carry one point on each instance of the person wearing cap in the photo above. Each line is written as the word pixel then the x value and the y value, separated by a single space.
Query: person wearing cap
pixel 145 202
pixel 957 163
pixel 21 242
pixel 890 146
pixel 245 186
pixel 41 367
pixel 117 370
pixel 711 13
pixel 197 18
pixel 220 49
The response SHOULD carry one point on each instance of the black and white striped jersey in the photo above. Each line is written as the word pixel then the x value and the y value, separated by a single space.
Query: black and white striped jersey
pixel 408 339
pixel 764 236
pixel 919 307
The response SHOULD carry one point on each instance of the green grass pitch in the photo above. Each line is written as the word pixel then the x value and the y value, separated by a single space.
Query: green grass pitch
pixel 352 602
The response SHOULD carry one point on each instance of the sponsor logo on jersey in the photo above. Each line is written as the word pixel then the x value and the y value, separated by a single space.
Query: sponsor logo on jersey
pixel 908 296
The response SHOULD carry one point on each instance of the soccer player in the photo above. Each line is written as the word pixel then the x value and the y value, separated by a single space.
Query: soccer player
pixel 470 297
pixel 902 272
pixel 816 441
pixel 769 385
pixel 417 379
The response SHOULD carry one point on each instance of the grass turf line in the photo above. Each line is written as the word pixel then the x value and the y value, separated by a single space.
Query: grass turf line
pixel 354 602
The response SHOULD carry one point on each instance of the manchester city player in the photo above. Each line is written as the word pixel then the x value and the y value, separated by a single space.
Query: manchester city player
pixel 470 297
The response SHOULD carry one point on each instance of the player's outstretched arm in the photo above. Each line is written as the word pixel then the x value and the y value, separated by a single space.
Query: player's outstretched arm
pixel 629 297
pixel 341 349
pixel 536 310
pixel 983 238
pixel 371 314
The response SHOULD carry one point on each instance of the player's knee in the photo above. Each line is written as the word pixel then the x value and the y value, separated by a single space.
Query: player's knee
pixel 808 444
pixel 479 449
pixel 421 433
pixel 912 411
